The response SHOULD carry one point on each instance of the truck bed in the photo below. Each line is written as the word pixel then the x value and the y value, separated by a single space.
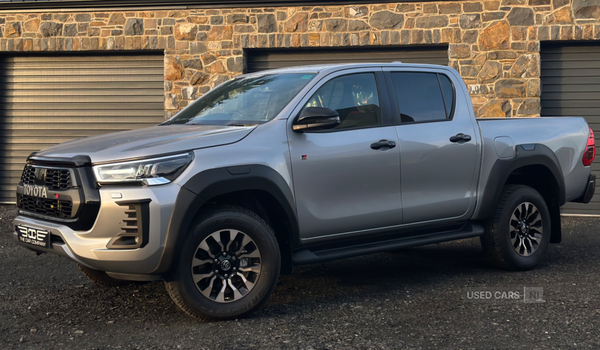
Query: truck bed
pixel 565 136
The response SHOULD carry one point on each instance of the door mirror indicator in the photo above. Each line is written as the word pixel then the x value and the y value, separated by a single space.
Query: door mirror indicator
pixel 316 118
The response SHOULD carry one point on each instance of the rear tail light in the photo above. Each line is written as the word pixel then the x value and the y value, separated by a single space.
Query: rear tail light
pixel 590 149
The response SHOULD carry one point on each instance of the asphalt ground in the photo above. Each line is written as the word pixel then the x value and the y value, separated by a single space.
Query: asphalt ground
pixel 420 298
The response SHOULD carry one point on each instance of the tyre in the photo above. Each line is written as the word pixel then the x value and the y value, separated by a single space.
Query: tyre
pixel 517 235
pixel 100 277
pixel 228 266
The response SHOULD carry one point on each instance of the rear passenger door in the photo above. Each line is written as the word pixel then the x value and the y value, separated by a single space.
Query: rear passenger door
pixel 438 145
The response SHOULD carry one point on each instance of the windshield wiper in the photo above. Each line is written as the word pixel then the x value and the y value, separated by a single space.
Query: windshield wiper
pixel 237 124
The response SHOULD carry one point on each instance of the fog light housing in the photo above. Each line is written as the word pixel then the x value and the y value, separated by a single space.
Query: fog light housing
pixel 135 230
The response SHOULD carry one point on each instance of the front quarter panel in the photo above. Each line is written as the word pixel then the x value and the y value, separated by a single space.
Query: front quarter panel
pixel 258 162
pixel 266 145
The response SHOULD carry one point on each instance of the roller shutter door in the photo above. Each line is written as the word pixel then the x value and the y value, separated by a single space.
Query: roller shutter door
pixel 261 59
pixel 571 87
pixel 45 100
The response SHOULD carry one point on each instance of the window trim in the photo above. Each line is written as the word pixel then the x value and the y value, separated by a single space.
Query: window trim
pixel 396 102
pixel 382 93
pixel 450 114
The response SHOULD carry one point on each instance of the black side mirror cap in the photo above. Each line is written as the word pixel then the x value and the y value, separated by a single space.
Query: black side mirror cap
pixel 316 118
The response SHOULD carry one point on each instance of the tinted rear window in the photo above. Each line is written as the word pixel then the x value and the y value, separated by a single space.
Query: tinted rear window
pixel 419 97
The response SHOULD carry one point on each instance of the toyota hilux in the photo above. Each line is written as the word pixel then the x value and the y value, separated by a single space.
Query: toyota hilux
pixel 297 166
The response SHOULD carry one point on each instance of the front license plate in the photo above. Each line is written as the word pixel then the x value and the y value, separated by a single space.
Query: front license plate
pixel 33 236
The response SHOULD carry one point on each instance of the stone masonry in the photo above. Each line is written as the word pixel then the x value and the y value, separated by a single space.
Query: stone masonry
pixel 495 44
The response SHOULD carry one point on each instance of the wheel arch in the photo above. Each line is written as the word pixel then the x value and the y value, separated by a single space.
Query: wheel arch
pixel 536 166
pixel 258 188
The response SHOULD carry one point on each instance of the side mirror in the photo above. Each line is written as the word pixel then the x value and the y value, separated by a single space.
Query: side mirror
pixel 316 118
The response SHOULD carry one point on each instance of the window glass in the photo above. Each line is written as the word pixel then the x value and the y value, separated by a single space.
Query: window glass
pixel 448 93
pixel 354 97
pixel 419 97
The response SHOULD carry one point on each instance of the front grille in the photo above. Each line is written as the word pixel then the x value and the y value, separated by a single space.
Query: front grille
pixel 60 190
pixel 56 179
pixel 45 206
pixel 53 179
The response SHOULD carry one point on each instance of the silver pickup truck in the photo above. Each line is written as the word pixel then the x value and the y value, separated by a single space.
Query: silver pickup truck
pixel 297 166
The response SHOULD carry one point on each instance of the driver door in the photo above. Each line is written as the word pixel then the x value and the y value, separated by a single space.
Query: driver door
pixel 344 181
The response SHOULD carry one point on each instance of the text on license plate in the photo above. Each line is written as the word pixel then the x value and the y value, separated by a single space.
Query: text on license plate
pixel 33 236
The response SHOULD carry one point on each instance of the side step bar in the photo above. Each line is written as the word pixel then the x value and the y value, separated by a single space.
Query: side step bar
pixel 306 256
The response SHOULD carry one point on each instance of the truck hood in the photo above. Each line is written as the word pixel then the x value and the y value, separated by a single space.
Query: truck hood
pixel 148 142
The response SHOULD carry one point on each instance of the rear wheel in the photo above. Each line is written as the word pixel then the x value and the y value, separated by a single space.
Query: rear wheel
pixel 518 234
pixel 228 266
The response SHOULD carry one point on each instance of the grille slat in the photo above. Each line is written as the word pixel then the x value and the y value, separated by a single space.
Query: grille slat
pixel 131 222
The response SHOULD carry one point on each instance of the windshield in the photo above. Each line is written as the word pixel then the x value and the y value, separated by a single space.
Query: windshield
pixel 245 101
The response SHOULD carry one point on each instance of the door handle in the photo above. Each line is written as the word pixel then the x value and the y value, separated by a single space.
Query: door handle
pixel 382 144
pixel 460 137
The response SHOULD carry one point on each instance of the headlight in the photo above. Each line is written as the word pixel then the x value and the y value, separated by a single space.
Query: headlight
pixel 155 171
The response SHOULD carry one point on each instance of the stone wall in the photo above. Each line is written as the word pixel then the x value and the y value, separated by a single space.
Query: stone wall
pixel 493 44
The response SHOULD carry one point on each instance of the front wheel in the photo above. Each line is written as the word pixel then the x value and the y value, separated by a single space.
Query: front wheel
pixel 228 267
pixel 517 235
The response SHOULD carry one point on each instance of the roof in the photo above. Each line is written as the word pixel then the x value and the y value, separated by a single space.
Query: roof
pixel 328 68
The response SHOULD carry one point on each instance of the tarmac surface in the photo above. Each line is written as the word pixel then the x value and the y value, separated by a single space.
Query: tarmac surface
pixel 414 299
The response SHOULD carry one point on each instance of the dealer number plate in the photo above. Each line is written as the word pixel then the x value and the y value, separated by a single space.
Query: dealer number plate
pixel 33 236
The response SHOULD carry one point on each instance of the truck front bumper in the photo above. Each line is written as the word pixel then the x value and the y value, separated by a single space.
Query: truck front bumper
pixel 100 247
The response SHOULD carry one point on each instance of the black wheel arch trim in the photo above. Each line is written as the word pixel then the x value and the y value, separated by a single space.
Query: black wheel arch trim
pixel 526 155
pixel 211 183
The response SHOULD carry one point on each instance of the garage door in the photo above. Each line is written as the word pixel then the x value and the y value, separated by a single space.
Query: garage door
pixel 571 87
pixel 258 60
pixel 45 100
